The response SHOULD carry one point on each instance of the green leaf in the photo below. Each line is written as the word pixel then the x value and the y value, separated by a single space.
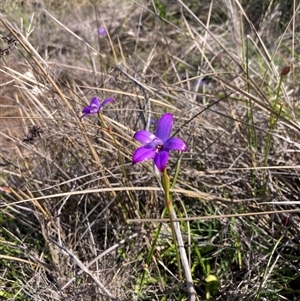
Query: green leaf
pixel 212 284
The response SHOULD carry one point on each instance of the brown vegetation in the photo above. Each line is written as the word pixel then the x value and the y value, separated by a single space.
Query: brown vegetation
pixel 71 227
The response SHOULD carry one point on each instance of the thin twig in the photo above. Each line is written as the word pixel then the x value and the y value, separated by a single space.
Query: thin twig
pixel 84 269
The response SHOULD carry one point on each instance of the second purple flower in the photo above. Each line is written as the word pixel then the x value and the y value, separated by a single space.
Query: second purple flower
pixel 95 106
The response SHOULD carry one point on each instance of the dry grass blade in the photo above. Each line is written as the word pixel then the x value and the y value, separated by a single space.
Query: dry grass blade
pixel 77 219
pixel 83 268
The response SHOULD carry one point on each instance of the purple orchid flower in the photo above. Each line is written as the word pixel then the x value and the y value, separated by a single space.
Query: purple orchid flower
pixel 95 106
pixel 157 146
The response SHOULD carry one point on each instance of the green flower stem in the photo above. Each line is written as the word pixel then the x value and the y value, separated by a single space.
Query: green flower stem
pixel 272 122
pixel 176 172
pixel 176 232
pixel 165 181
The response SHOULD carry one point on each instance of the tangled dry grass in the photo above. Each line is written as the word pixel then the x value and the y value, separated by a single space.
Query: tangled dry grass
pixel 79 219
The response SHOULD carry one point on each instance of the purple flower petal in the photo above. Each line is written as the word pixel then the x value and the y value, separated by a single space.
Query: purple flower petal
pixel 143 153
pixel 164 127
pixel 161 160
pixel 83 116
pixel 86 111
pixel 174 144
pixel 144 136
pixel 95 103
pixel 106 101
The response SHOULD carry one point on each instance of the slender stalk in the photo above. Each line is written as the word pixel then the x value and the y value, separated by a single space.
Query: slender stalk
pixel 176 228
pixel 272 122
pixel 252 137
pixel 114 140
pixel 165 180
pixel 264 276
pixel 117 145
pixel 176 172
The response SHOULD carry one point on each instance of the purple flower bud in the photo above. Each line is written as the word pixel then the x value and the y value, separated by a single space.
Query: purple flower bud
pixel 102 31
pixel 153 121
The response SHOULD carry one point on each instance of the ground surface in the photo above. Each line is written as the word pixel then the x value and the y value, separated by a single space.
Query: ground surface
pixel 71 201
